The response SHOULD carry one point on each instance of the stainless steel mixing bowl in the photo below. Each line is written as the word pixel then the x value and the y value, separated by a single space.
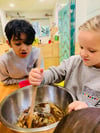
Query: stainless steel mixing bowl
pixel 18 101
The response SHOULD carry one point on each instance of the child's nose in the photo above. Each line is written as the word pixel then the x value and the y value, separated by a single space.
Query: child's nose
pixel 23 46
pixel 85 53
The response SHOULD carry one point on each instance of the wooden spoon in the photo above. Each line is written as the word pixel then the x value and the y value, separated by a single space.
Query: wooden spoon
pixel 31 111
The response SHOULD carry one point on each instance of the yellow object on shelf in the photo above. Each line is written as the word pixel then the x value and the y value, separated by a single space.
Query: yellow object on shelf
pixel 36 42
pixel 60 84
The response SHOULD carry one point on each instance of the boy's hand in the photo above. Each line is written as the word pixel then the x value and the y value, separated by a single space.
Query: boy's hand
pixel 76 105
pixel 36 76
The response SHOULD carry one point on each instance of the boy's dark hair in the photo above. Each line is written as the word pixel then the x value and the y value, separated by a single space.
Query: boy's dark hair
pixel 16 27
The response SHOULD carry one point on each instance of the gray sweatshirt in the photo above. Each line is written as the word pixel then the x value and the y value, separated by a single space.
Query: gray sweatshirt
pixel 81 81
pixel 14 69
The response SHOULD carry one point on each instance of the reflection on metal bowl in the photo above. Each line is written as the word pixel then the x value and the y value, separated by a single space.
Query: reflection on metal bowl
pixel 18 101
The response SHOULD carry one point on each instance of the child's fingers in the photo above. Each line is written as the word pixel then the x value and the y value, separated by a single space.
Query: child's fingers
pixel 76 105
pixel 35 81
pixel 36 76
pixel 71 109
pixel 41 70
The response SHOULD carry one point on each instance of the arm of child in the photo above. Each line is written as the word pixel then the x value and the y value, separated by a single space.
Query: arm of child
pixel 4 76
pixel 10 81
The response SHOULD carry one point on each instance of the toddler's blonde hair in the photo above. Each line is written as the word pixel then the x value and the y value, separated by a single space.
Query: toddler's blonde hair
pixel 92 24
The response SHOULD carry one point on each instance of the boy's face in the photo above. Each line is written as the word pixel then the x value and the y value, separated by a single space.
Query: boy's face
pixel 90 47
pixel 21 49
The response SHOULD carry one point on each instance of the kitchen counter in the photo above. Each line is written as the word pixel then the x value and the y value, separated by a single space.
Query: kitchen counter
pixel 4 91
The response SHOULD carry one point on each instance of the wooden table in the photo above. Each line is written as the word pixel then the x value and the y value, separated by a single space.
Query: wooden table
pixel 4 91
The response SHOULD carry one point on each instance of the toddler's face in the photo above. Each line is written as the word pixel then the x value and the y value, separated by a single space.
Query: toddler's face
pixel 90 47
pixel 21 49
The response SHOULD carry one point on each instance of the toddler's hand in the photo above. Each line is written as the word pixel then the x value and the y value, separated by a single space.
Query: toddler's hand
pixel 36 76
pixel 76 105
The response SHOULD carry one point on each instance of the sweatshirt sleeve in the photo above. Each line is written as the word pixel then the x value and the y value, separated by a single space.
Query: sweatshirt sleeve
pixel 96 105
pixel 4 75
pixel 10 81
pixel 56 74
pixel 3 71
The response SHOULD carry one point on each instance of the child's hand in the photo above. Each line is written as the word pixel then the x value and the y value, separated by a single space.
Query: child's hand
pixel 76 105
pixel 36 76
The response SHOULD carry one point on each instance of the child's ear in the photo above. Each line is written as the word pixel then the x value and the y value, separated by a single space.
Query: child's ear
pixel 8 43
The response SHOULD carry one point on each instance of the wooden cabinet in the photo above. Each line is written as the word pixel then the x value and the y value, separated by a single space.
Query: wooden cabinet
pixel 3 48
pixel 50 54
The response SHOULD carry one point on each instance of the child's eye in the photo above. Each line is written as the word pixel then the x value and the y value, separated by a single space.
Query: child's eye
pixel 17 44
pixel 92 51
pixel 81 47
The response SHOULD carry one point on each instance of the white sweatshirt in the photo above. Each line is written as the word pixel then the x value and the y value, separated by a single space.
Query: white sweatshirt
pixel 81 81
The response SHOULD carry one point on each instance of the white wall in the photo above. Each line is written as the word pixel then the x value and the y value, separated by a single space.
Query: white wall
pixel 85 9
pixel 93 8
pixel 3 20
pixel 81 11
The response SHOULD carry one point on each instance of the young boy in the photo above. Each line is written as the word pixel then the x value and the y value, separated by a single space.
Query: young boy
pixel 81 73
pixel 16 64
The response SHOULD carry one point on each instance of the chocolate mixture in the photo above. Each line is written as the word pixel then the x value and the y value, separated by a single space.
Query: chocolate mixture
pixel 44 114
